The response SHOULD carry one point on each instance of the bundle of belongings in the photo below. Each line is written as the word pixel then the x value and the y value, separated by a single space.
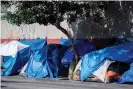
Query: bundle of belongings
pixel 111 64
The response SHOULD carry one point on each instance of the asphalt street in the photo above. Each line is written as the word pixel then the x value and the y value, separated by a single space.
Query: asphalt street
pixel 22 82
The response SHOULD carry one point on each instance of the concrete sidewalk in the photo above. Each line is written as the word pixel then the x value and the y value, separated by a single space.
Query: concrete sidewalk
pixel 21 82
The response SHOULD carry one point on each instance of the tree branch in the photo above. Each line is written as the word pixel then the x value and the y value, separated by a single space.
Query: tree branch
pixel 70 38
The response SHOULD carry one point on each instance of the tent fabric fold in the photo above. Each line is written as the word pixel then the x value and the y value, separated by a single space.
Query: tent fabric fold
pixel 34 44
pixel 100 72
pixel 44 63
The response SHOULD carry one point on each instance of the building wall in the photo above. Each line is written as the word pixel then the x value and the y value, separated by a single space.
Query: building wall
pixel 12 32
pixel 33 31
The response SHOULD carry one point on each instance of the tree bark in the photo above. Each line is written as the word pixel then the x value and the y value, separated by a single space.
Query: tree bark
pixel 71 40
pixel 73 64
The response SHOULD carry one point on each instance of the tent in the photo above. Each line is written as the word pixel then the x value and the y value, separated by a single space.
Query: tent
pixel 92 61
pixel 100 73
pixel 23 69
pixel 11 48
pixel 83 47
pixel 127 77
pixel 15 56
pixel 34 44
pixel 44 63
pixel 66 42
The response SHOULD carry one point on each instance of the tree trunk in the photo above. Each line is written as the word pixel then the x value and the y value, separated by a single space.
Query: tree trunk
pixel 73 64
pixel 71 40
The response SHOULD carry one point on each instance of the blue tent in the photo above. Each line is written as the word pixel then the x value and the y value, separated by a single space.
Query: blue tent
pixel 44 62
pixel 37 66
pixel 66 42
pixel 35 44
pixel 83 47
pixel 92 61
pixel 127 77
pixel 13 64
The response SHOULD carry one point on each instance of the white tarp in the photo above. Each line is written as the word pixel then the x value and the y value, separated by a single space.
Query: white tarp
pixel 100 73
pixel 78 66
pixel 23 69
pixel 11 48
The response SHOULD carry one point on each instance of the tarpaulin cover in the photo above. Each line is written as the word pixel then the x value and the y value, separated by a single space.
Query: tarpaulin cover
pixel 19 55
pixel 11 48
pixel 127 77
pixel 13 65
pixel 81 48
pixel 34 44
pixel 67 42
pixel 101 72
pixel 62 50
pixel 44 62
pixel 92 61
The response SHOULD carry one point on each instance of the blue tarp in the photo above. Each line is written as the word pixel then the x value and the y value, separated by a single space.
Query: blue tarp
pixel 127 77
pixel 66 42
pixel 81 48
pixel 92 61
pixel 13 65
pixel 35 44
pixel 44 62
pixel 37 66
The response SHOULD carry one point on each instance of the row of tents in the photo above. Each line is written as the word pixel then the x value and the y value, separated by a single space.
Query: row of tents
pixel 37 59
